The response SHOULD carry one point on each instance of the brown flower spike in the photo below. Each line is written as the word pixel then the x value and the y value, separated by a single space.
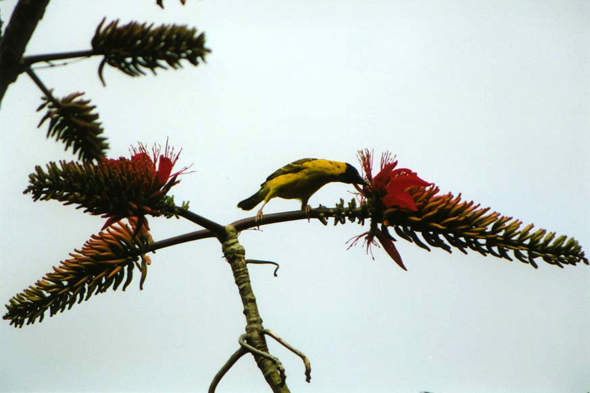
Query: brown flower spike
pixel 103 262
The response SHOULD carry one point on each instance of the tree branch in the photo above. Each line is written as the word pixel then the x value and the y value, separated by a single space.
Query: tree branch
pixel 23 21
pixel 48 57
pixel 321 214
pixel 217 229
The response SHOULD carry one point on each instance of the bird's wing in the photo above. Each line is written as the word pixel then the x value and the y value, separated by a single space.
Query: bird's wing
pixel 294 167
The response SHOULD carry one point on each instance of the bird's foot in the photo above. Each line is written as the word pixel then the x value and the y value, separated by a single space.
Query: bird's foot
pixel 307 210
pixel 259 216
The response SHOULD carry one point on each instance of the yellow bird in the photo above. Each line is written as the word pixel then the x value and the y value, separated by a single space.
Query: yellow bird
pixel 300 180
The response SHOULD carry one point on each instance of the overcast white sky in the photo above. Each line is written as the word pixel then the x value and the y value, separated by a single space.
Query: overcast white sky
pixel 490 99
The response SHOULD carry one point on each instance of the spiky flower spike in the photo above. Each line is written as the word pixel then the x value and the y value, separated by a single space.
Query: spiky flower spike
pixel 134 47
pixel 411 207
pixel 119 188
pixel 103 262
pixel 73 121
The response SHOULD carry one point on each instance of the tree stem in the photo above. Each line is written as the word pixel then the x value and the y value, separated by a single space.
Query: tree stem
pixel 235 254
pixel 23 22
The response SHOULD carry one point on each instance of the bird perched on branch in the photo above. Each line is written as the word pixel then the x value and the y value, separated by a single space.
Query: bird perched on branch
pixel 300 180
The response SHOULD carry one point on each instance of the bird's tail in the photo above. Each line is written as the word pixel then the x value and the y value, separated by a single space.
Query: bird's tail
pixel 250 203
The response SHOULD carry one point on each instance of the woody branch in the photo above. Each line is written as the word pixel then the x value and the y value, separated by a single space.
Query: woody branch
pixel 271 368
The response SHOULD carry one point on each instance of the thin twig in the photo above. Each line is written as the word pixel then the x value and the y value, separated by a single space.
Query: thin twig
pixel 60 64
pixel 295 351
pixel 226 367
pixel 258 262
pixel 266 355
pixel 42 87
pixel 28 60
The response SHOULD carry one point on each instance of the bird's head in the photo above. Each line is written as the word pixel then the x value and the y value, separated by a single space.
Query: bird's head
pixel 351 176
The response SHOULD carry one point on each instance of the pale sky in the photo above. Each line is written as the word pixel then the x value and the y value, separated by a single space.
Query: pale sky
pixel 487 99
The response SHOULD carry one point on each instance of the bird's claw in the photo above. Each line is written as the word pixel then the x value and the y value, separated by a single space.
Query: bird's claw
pixel 259 216
pixel 307 210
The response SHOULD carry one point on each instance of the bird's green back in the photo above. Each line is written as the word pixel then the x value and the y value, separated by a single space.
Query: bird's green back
pixel 294 167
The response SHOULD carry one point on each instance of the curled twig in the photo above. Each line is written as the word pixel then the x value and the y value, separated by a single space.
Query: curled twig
pixel 295 351
pixel 266 355
pixel 258 262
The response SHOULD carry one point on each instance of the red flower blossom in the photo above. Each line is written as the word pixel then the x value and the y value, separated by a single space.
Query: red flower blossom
pixel 149 175
pixel 387 189
pixel 161 176
pixel 390 185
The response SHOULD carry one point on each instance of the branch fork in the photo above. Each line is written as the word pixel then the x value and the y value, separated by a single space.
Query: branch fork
pixel 253 341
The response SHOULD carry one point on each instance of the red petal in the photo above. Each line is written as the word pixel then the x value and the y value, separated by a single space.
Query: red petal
pixel 141 156
pixel 401 183
pixel 164 170
pixel 381 180
pixel 401 180
pixel 401 199
pixel 390 248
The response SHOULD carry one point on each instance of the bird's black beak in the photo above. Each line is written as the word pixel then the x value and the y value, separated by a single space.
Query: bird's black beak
pixel 352 176
pixel 360 180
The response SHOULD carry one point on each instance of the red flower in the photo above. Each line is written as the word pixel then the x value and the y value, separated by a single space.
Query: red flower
pixel 387 189
pixel 390 185
pixel 148 176
pixel 162 176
